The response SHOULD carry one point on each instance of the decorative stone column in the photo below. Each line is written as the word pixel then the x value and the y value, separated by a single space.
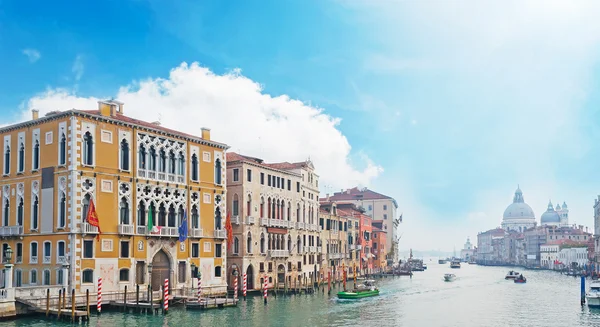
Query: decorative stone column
pixel 8 276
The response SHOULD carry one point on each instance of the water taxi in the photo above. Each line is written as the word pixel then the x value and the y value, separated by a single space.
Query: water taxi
pixel 441 261
pixel 520 280
pixel 367 289
pixel 449 277
pixel 512 275
pixel 593 296
pixel 455 264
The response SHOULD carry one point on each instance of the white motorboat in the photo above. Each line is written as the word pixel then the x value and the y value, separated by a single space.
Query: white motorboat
pixel 449 277
pixel 593 296
pixel 512 274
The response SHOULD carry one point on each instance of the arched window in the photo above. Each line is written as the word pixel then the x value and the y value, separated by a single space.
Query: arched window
pixel 152 159
pixel 289 211
pixel 236 245
pixel 262 243
pixel 236 205
pixel 218 223
pixel 46 278
pixel 6 214
pixel 249 205
pixel 7 160
pixel 141 214
pixel 36 155
pixel 35 213
pixel 124 275
pixel 124 155
pixel 20 212
pixel 21 165
pixel 162 215
pixel 62 150
pixel 268 207
pixel 289 243
pixel 142 157
pixel 86 206
pixel 299 244
pixel 162 162
pixel 172 220
pixel 124 212
pixel 298 213
pixel 181 170
pixel 33 276
pixel 194 167
pixel 249 243
pixel 172 162
pixel 218 172
pixel 195 217
pixel 262 207
pixel 88 149
pixel 62 211
pixel 179 215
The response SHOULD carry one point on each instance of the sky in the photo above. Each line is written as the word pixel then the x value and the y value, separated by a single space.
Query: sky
pixel 445 106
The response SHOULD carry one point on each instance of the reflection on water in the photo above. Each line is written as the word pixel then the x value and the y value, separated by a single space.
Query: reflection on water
pixel 479 297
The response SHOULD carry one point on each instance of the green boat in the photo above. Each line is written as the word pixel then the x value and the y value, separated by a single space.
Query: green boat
pixel 367 289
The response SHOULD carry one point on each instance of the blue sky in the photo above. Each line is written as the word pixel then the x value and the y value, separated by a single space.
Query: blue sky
pixel 446 106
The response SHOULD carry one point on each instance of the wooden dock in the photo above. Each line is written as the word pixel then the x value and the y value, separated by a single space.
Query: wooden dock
pixel 67 312
pixel 209 303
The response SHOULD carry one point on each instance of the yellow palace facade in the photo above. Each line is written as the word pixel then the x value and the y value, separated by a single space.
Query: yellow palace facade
pixel 146 181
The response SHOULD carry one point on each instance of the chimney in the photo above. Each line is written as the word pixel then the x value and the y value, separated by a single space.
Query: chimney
pixel 206 133
pixel 157 123
pixel 110 108
pixel 35 114
pixel 327 197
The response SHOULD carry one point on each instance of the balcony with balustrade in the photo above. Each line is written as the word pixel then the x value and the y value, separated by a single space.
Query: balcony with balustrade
pixel 280 253
pixel 126 229
pixel 359 247
pixel 264 222
pixel 11 230
pixel 300 225
pixel 86 228
pixel 352 247
pixel 220 233
pixel 196 233
pixel 235 220
pixel 335 255
pixel 319 249
pixel 47 259
pixel 250 220
pixel 160 176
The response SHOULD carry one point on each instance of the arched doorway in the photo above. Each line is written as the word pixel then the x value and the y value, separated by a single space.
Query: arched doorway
pixel 281 274
pixel 161 269
pixel 250 277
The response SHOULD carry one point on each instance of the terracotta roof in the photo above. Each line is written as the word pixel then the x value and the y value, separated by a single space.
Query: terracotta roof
pixel 566 242
pixel 357 194
pixel 287 165
pixel 232 156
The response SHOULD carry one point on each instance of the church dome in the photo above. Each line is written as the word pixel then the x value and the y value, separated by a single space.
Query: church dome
pixel 550 216
pixel 518 209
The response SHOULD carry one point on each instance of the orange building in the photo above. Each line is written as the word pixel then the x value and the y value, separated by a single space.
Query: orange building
pixel 379 246
pixel 143 179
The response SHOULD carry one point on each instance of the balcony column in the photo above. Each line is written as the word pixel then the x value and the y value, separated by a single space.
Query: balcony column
pixel 65 272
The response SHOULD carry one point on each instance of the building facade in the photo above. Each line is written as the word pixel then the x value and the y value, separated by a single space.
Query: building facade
pixel 143 180
pixel 466 253
pixel 335 255
pixel 274 211
pixel 518 216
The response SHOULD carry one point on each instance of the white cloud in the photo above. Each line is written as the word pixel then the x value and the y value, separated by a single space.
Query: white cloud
pixel 78 68
pixel 32 54
pixel 239 114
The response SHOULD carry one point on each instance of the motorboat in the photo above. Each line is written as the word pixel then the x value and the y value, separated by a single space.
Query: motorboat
pixel 449 277
pixel 367 289
pixel 424 267
pixel 520 280
pixel 512 275
pixel 455 264
pixel 593 296
pixel 441 261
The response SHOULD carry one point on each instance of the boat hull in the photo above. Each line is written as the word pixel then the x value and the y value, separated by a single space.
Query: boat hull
pixel 517 281
pixel 593 301
pixel 357 295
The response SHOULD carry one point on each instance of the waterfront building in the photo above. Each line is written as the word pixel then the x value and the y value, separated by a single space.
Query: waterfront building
pixel 518 216
pixel 487 246
pixel 362 236
pixel 379 243
pixel 334 252
pixel 380 208
pixel 145 182
pixel 466 253
pixel 549 254
pixel 274 214
pixel 573 256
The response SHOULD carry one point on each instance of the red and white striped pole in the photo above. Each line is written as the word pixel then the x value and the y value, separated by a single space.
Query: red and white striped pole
pixel 166 297
pixel 235 288
pixel 245 286
pixel 99 305
pixel 265 288
pixel 199 289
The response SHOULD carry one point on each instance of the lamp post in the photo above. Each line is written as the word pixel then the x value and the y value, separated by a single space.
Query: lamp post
pixel 8 267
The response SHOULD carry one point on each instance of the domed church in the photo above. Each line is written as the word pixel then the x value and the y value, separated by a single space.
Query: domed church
pixel 518 216
pixel 558 217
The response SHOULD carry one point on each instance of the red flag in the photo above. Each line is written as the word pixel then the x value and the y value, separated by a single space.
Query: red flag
pixel 92 217
pixel 229 229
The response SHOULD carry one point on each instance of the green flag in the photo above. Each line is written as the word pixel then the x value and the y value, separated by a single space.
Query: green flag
pixel 150 220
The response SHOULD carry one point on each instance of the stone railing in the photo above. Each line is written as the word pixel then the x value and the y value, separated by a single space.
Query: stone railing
pixel 280 253
pixel 220 233
pixel 313 249
pixel 196 232
pixel 235 220
pixel 47 259
pixel 336 255
pixel 359 247
pixel 162 176
pixel 300 225
pixel 279 223
pixel 250 220
pixel 33 259
pixel 264 222
pixel 7 295
pixel 11 230
pixel 319 249
pixel 352 247
pixel 126 229
pixel 89 229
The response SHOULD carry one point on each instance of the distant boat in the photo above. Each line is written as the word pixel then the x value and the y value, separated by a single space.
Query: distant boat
pixel 455 264
pixel 593 296
pixel 367 289
pixel 520 280
pixel 512 275
pixel 424 267
pixel 441 261
pixel 449 277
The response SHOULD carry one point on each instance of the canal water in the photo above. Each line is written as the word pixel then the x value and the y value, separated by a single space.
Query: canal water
pixel 479 297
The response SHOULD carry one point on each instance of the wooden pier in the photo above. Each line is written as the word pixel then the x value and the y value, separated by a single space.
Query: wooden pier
pixel 209 303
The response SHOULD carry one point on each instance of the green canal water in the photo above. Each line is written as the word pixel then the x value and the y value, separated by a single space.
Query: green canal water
pixel 479 297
